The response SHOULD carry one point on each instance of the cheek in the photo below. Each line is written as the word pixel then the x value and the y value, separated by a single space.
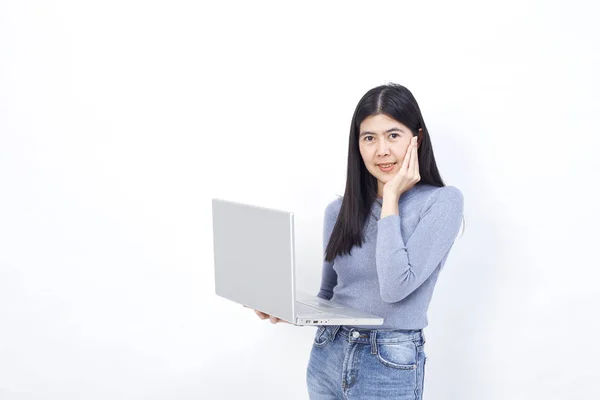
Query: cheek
pixel 401 150
pixel 364 154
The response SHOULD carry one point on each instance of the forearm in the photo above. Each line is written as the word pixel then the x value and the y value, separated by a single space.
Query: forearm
pixel 328 281
pixel 389 205
pixel 403 266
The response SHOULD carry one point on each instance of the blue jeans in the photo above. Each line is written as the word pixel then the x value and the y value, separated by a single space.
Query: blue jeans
pixel 349 363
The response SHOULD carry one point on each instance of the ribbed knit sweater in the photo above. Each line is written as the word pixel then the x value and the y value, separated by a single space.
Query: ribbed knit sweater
pixel 394 272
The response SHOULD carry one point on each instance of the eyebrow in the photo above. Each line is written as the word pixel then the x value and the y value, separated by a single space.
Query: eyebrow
pixel 388 131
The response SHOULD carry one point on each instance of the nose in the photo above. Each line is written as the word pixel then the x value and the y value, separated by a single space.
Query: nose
pixel 383 148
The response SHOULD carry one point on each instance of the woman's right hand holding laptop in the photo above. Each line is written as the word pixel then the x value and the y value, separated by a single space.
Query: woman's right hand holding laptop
pixel 273 320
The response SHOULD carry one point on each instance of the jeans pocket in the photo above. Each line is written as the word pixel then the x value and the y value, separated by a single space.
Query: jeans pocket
pixel 321 337
pixel 401 355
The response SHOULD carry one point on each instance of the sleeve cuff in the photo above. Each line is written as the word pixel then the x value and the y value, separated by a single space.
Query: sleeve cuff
pixel 388 219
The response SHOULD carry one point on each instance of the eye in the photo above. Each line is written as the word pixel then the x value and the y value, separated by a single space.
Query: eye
pixel 368 137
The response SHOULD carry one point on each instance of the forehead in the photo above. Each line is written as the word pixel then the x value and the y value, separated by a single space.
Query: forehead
pixel 380 123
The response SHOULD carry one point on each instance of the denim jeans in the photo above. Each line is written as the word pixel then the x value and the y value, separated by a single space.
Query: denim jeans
pixel 349 363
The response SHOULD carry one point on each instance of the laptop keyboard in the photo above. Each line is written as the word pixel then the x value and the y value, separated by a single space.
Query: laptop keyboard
pixel 304 309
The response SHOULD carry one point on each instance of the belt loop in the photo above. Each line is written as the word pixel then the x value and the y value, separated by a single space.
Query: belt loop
pixel 373 341
pixel 423 335
pixel 336 328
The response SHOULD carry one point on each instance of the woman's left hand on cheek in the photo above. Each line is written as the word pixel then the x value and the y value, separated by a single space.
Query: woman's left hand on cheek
pixel 408 174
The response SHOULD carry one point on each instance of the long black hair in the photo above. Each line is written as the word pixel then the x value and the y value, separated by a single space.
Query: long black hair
pixel 397 102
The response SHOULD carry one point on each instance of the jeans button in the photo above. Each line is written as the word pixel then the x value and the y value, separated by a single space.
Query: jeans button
pixel 355 334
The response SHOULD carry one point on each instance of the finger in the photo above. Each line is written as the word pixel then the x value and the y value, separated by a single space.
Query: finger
pixel 406 161
pixel 261 314
pixel 413 158
pixel 416 156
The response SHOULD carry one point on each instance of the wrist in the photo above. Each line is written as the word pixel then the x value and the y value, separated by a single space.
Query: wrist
pixel 389 195
pixel 389 205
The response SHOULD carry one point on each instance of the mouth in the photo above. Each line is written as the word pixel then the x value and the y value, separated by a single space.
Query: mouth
pixel 386 167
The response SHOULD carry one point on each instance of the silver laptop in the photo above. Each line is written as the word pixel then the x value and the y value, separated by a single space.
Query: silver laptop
pixel 255 266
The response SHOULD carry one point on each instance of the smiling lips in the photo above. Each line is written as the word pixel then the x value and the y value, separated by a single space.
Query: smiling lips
pixel 386 167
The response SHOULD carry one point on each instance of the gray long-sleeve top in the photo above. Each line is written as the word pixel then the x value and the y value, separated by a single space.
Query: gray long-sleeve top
pixel 394 273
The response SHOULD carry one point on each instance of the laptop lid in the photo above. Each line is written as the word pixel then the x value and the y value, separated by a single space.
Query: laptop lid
pixel 254 256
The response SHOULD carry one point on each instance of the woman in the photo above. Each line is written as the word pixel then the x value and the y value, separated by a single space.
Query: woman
pixel 385 242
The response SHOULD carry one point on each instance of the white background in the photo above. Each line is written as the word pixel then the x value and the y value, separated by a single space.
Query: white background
pixel 120 120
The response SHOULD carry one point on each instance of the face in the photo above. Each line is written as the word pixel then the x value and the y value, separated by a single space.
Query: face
pixel 383 140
